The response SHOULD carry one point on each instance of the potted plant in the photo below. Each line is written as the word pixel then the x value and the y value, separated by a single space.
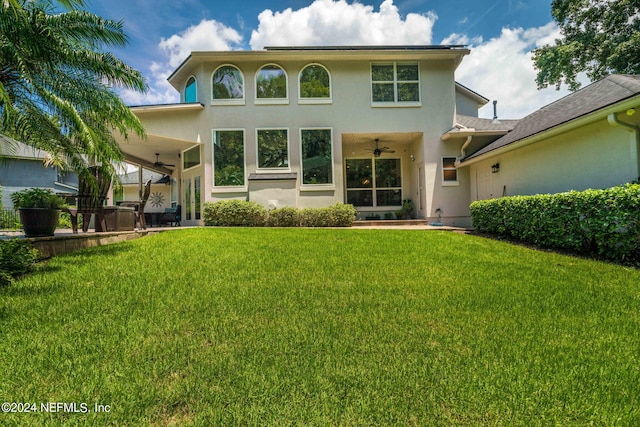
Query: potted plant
pixel 408 209
pixel 39 210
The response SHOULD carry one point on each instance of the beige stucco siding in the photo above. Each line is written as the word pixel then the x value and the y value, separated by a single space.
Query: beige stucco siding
pixel 350 112
pixel 597 155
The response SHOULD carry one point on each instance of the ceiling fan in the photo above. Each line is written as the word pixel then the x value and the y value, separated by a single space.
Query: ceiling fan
pixel 377 152
pixel 161 164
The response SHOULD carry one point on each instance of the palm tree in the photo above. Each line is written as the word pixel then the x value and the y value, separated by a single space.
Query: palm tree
pixel 56 84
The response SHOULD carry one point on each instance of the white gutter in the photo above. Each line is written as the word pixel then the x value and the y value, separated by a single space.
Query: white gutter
pixel 614 121
pixel 557 130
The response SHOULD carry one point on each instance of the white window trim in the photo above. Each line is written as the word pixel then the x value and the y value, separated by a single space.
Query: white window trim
pixel 182 158
pixel 318 187
pixel 376 207
pixel 272 170
pixel 228 188
pixel 235 101
pixel 271 101
pixel 184 92
pixel 449 183
pixel 395 103
pixel 312 101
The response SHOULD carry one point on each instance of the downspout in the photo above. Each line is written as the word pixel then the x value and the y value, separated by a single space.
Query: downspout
pixel 614 121
pixel 463 150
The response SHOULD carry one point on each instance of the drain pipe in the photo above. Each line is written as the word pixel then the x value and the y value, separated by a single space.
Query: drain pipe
pixel 463 150
pixel 614 121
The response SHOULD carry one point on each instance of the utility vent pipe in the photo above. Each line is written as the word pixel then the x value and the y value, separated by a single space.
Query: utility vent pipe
pixel 495 112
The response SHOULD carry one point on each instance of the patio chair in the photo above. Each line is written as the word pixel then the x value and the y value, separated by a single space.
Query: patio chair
pixel 93 187
pixel 171 216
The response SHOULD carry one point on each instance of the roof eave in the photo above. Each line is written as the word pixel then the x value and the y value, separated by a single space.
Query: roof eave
pixel 192 106
pixel 453 52
pixel 466 133
pixel 570 125
pixel 482 101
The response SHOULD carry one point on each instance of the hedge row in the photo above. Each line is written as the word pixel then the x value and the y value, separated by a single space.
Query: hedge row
pixel 605 223
pixel 231 213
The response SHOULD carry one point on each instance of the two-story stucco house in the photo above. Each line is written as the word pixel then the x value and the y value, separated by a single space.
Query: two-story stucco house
pixel 373 126
pixel 314 126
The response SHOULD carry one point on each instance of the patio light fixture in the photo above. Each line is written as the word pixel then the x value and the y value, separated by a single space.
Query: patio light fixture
pixel 495 168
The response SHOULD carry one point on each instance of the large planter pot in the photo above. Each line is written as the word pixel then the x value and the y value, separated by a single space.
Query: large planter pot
pixel 38 222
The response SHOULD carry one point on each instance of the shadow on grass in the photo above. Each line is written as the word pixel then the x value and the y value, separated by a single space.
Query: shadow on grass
pixel 86 255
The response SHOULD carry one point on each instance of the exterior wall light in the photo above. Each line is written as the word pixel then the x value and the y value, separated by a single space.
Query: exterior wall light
pixel 495 168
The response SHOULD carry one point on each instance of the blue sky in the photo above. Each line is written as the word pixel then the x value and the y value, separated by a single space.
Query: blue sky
pixel 501 34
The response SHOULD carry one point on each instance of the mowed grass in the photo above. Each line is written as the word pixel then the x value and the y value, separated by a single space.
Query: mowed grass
pixel 317 327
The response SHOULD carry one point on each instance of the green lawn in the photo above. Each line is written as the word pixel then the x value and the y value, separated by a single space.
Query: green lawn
pixel 322 327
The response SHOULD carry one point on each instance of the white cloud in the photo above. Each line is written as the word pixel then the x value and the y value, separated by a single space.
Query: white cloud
pixel 502 69
pixel 207 35
pixel 332 23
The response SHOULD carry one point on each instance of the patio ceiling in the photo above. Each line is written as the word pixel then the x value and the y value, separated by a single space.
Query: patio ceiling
pixel 143 152
pixel 396 138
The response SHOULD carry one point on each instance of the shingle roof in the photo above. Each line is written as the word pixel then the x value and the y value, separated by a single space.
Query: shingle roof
pixel 603 93
pixel 480 124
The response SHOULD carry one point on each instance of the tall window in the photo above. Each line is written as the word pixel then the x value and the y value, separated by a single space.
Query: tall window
pixel 271 83
pixel 395 83
pixel 317 156
pixel 228 158
pixel 273 148
pixel 449 171
pixel 315 82
pixel 191 90
pixel 227 83
pixel 191 157
pixel 374 182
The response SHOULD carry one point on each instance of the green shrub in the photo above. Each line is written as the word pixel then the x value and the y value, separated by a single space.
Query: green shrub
pixel 341 215
pixel 37 198
pixel 229 213
pixel 65 220
pixel 338 215
pixel 17 257
pixel 605 223
pixel 283 217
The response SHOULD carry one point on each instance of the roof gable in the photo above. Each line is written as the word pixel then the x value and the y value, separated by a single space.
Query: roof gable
pixel 596 96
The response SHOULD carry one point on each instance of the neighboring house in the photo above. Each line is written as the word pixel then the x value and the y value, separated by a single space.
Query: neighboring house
pixel 372 126
pixel 23 167
pixel 588 139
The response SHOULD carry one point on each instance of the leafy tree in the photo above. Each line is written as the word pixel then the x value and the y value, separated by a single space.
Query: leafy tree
pixel 56 84
pixel 599 37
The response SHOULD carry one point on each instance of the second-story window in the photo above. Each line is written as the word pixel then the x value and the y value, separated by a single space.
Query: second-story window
pixel 315 83
pixel 227 84
pixel 191 90
pixel 271 83
pixel 395 83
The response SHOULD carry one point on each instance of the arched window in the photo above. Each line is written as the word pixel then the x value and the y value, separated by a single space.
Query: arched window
pixel 191 90
pixel 227 83
pixel 315 82
pixel 271 82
